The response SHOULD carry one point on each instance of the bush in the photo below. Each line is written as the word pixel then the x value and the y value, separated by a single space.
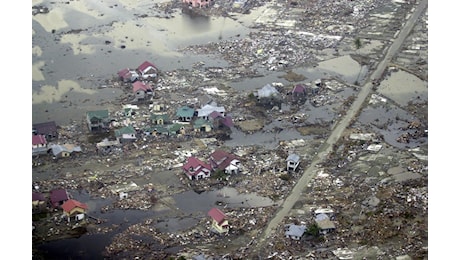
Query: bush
pixel 285 177
pixel 313 230
pixel 219 174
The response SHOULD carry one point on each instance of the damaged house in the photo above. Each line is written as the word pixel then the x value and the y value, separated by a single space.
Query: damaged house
pixel 195 169
pixel 299 93
pixel 294 232
pixel 73 208
pixel 202 125
pixel 148 70
pixel 126 134
pixel 64 150
pixel 226 162
pixel 269 96
pixel 207 109
pixel 176 129
pixel 159 118
pixel 39 144
pixel 219 220
pixel 292 162
pixel 324 224
pixel 58 197
pixel 106 146
pixel 48 129
pixel 142 91
pixel 128 75
pixel 38 202
pixel 218 121
pixel 98 120
pixel 185 113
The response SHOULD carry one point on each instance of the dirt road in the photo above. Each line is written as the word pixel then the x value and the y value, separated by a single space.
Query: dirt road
pixel 337 132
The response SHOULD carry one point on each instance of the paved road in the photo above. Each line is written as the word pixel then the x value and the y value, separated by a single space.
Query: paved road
pixel 309 173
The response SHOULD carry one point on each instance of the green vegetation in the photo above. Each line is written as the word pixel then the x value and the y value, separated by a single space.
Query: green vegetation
pixel 313 230
pixel 285 177
pixel 219 175
pixel 358 43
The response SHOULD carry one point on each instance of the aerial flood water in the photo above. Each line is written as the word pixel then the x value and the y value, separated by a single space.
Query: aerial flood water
pixel 79 46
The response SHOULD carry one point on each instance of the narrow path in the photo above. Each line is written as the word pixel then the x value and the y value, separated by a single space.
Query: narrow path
pixel 337 132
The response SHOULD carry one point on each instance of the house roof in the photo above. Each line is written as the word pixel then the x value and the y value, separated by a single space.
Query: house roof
pixel 175 127
pixel 127 73
pixel 38 196
pixel 196 164
pixel 223 157
pixel 218 155
pixel 267 91
pixel 163 116
pixel 228 121
pixel 201 122
pixel 38 139
pixel 139 85
pixel 58 195
pixel 105 142
pixel 295 230
pixel 299 88
pixel 324 211
pixel 124 73
pixel 45 128
pixel 321 216
pixel 145 65
pixel 100 114
pixel 293 158
pixel 65 148
pixel 161 129
pixel 185 111
pixel 125 130
pixel 209 108
pixel 71 204
pixel 215 114
pixel 217 215
pixel 325 224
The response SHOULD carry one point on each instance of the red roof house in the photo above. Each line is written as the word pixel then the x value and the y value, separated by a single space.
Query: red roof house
pixel 48 129
pixel 147 70
pixel 142 90
pixel 58 197
pixel 38 202
pixel 196 169
pixel 128 75
pixel 221 160
pixel 219 220
pixel 38 141
pixel 73 207
pixel 141 86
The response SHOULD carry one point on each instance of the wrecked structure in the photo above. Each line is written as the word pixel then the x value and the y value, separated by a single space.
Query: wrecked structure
pixel 168 152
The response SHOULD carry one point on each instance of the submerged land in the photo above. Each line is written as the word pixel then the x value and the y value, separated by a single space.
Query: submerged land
pixel 360 131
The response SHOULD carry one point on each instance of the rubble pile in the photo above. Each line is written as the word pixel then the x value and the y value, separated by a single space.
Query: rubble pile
pixel 139 239
pixel 379 210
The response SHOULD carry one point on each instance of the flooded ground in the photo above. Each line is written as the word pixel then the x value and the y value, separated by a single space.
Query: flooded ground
pixel 79 46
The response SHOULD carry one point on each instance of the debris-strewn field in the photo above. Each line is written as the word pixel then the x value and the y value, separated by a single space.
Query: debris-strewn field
pixel 368 198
